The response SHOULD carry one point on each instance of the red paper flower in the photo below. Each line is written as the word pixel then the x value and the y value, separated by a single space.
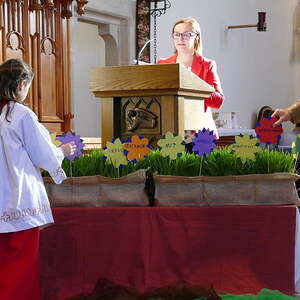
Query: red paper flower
pixel 266 133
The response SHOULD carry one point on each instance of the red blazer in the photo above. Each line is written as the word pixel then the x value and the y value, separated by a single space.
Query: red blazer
pixel 206 69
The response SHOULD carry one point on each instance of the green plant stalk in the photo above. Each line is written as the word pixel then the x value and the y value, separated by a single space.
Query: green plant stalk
pixel 200 169
pixel 296 160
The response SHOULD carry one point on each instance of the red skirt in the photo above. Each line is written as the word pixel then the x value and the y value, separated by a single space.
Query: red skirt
pixel 19 276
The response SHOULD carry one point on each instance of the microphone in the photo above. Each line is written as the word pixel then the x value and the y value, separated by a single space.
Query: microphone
pixel 141 51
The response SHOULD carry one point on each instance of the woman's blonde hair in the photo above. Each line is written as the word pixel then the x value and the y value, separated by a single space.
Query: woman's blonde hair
pixel 196 28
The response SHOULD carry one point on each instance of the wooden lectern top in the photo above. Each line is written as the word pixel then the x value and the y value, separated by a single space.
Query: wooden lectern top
pixel 146 80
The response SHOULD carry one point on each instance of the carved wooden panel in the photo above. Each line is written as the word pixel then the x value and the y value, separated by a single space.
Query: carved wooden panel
pixel 38 31
pixel 139 116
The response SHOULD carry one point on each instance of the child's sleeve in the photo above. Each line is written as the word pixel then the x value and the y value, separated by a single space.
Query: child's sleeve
pixel 42 152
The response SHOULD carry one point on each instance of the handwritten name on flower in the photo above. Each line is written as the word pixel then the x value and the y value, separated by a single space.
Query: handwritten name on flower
pixel 171 145
pixel 116 150
pixel 132 146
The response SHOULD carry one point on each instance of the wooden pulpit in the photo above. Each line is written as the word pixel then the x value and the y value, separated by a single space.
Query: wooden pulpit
pixel 148 100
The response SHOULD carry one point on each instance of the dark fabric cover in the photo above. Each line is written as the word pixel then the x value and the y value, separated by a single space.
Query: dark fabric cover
pixel 238 249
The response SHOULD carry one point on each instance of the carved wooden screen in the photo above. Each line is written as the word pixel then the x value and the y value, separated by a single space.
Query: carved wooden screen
pixel 38 32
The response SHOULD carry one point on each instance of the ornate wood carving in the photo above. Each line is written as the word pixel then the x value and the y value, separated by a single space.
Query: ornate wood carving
pixel 80 6
pixel 66 8
pixel 38 31
pixel 14 41
pixel 139 116
pixel 35 5
pixel 143 28
pixel 49 4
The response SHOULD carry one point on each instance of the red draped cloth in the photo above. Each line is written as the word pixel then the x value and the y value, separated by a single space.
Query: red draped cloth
pixel 239 249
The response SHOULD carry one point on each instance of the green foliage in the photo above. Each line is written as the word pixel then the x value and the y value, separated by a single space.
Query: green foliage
pixel 94 163
pixel 225 162
pixel 186 165
pixel 221 162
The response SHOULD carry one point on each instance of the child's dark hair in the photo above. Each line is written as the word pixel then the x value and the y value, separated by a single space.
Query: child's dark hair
pixel 12 73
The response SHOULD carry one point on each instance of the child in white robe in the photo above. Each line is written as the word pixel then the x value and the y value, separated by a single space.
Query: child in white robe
pixel 25 147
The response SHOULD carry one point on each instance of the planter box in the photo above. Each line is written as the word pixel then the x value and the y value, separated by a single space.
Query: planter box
pixel 99 191
pixel 255 189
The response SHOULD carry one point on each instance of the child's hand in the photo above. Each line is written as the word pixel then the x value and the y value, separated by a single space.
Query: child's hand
pixel 68 149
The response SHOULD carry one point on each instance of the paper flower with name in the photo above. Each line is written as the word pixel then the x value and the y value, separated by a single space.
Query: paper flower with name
pixel 72 137
pixel 114 153
pixel 137 148
pixel 204 142
pixel 171 145
pixel 245 147
pixel 54 140
pixel 266 133
pixel 296 147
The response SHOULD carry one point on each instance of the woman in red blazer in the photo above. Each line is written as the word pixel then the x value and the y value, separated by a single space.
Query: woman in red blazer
pixel 186 35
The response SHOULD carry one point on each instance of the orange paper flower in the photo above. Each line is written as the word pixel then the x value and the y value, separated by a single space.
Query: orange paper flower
pixel 137 149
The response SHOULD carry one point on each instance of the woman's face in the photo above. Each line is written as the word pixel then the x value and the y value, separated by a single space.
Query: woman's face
pixel 184 38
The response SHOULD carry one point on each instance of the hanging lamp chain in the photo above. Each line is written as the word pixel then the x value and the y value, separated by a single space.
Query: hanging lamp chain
pixel 157 12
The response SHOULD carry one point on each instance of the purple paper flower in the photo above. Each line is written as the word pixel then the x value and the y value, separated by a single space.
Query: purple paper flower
pixel 204 142
pixel 71 137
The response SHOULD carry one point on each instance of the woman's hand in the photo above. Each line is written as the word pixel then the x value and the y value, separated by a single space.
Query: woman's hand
pixel 68 149
pixel 283 115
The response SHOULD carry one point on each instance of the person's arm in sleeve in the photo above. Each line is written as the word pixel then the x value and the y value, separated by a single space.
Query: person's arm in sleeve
pixel 216 99
pixel 42 152
pixel 295 112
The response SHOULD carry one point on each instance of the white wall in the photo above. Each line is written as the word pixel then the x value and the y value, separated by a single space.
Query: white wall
pixel 88 51
pixel 104 35
pixel 256 68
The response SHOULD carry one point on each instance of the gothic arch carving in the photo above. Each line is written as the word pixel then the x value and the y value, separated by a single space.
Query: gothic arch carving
pixel 110 37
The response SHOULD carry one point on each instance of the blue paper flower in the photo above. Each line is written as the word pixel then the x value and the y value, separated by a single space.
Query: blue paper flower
pixel 72 137
pixel 204 142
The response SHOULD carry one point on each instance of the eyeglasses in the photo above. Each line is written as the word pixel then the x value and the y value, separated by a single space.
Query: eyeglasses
pixel 185 35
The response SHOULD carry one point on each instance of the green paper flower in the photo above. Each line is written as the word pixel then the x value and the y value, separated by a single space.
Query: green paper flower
pixel 171 145
pixel 296 146
pixel 114 153
pixel 245 147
